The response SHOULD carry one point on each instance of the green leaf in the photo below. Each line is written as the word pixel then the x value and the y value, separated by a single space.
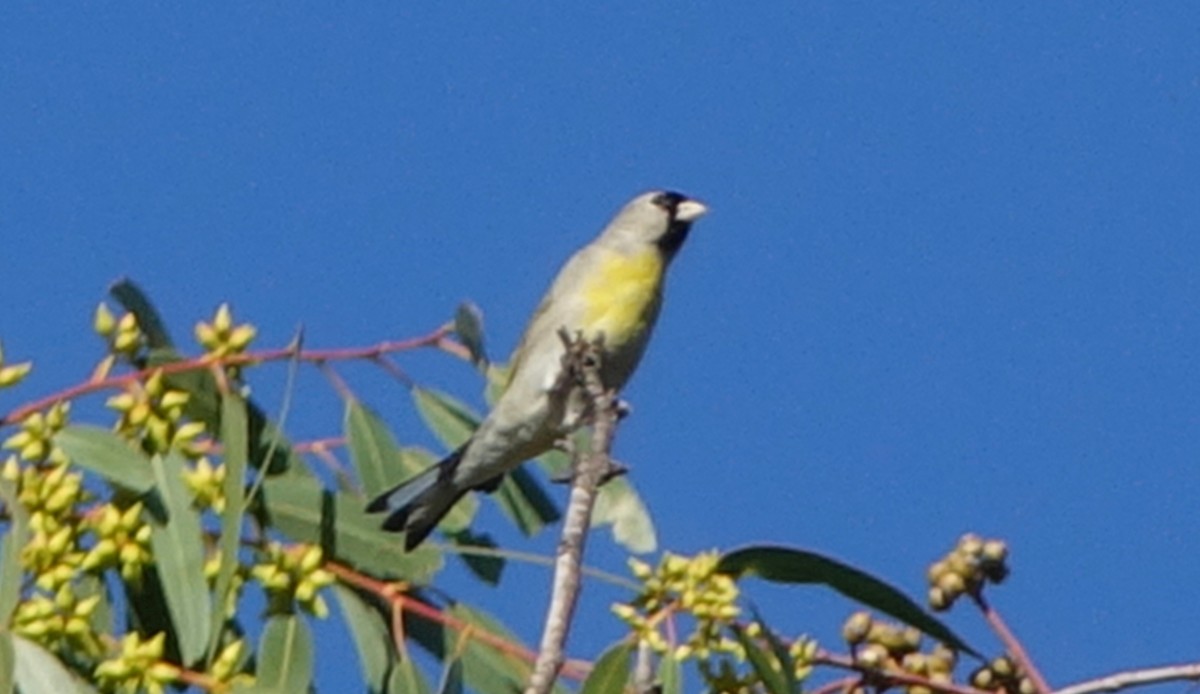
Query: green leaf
pixel 487 669
pixel 620 505
pixel 451 421
pixel 108 455
pixel 525 501
pixel 611 672
pixel 10 554
pixel 452 678
pixel 373 450
pixel 8 663
pixel 779 649
pixel 405 678
pixel 670 673
pixel 768 668
pixel 39 672
pixel 488 568
pixel 370 635
pixel 235 445
pixel 136 302
pixel 303 510
pixel 468 325
pixel 285 656
pixel 789 565
pixel 179 555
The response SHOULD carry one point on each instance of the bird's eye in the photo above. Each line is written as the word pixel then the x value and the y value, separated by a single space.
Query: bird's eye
pixel 668 201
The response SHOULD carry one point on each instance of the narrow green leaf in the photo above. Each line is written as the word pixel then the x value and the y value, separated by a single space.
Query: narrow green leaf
pixel 8 663
pixel 10 554
pixel 370 635
pixel 779 649
pixel 487 670
pixel 108 455
pixel 136 302
pixel 303 510
pixel 179 555
pixel 452 678
pixel 789 565
pixel 612 670
pixel 620 505
pixel 39 672
pixel 768 669
pixel 285 656
pixel 487 568
pixel 235 445
pixel 670 673
pixel 525 501
pixel 373 450
pixel 450 420
pixel 468 325
pixel 405 678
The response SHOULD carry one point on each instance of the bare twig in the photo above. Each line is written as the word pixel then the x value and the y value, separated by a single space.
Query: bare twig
pixel 1011 643
pixel 1135 678
pixel 592 467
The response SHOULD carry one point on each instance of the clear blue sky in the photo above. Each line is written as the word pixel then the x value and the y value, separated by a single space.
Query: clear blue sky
pixel 949 280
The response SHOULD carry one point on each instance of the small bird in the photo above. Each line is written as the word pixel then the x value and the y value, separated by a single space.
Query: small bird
pixel 611 290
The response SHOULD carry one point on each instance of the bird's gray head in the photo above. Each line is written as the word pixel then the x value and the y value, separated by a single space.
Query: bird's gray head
pixel 662 218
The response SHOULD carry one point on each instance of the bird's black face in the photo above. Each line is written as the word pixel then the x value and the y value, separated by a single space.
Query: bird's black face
pixel 677 229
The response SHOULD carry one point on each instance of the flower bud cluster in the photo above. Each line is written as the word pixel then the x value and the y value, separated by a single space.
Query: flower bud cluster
pixel 34 442
pixel 123 336
pixel 122 541
pixel 50 496
pixel 138 667
pixel 689 585
pixel 207 484
pixel 221 338
pixel 152 414
pixel 293 575
pixel 885 646
pixel 964 571
pixel 62 622
pixel 1002 675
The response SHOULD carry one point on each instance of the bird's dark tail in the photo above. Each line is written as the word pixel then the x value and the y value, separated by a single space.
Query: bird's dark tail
pixel 418 504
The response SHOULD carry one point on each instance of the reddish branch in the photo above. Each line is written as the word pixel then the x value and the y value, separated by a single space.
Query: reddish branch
pixel 438 338
pixel 401 602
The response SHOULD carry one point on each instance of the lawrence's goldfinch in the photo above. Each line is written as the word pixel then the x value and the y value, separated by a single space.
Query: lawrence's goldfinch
pixel 612 287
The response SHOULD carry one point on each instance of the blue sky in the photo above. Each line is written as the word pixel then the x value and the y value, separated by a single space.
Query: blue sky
pixel 948 282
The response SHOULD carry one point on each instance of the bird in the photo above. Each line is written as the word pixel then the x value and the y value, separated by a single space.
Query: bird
pixel 609 292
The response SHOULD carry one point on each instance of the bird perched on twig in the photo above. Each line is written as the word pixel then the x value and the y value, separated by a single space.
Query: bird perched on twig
pixel 610 291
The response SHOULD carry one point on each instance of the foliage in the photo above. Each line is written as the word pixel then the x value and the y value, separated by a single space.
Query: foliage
pixel 129 548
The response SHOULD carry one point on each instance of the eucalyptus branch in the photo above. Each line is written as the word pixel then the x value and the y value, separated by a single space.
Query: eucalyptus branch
pixel 1135 678
pixel 439 338
pixel 1011 643
pixel 592 468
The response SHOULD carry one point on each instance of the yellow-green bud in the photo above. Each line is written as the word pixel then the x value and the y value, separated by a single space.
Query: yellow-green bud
pixel 856 628
pixel 103 322
pixel 11 375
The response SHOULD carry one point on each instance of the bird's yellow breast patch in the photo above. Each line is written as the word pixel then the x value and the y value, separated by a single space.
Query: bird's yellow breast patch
pixel 623 296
